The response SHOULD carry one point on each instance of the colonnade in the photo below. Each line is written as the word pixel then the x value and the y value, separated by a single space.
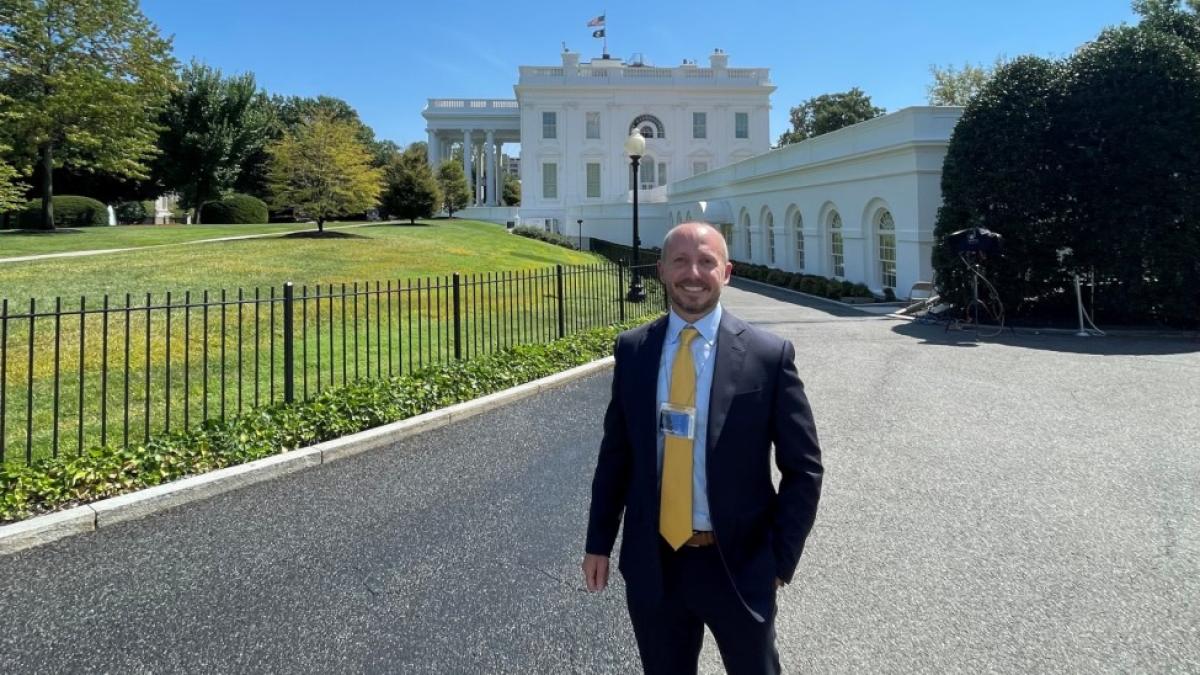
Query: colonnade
pixel 485 153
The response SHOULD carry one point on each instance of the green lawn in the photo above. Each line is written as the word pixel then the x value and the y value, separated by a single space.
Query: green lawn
pixel 376 252
pixel 16 243
pixel 176 367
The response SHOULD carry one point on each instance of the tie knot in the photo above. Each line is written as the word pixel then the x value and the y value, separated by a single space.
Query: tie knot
pixel 688 334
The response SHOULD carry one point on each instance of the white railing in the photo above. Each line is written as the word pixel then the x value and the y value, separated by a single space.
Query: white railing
pixel 647 74
pixel 472 104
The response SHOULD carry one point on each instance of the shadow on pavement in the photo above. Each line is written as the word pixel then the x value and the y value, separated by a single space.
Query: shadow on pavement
pixel 936 334
pixel 783 295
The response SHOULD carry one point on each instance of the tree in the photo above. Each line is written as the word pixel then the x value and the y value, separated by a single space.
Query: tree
pixel 829 112
pixel 512 191
pixel 86 81
pixel 322 170
pixel 453 184
pixel 212 127
pixel 952 86
pixel 411 190
pixel 1173 17
pixel 12 192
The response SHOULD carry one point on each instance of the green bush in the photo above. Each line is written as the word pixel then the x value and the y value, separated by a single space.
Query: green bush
pixel 235 209
pixel 542 235
pixel 60 482
pixel 69 211
pixel 130 213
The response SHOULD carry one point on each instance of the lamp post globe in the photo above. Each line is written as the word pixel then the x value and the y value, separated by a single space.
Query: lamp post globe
pixel 635 147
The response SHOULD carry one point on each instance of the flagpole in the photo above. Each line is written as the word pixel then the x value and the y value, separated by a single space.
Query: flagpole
pixel 605 15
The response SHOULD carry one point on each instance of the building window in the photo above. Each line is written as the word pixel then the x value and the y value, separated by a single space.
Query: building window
pixel 549 125
pixel 549 180
pixel 741 125
pixel 662 173
pixel 649 126
pixel 593 180
pixel 699 167
pixel 769 225
pixel 593 125
pixel 798 228
pixel 699 125
pixel 727 233
pixel 887 249
pixel 837 253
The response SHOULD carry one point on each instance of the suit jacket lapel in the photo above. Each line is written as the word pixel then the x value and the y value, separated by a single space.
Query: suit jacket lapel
pixel 645 388
pixel 731 352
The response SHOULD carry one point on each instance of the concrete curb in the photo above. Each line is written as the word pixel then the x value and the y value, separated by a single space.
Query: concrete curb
pixel 106 512
pixel 808 296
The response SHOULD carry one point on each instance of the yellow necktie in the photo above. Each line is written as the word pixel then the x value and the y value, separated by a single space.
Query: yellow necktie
pixel 675 509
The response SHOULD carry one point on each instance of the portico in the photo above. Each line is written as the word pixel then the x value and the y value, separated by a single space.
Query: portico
pixel 478 128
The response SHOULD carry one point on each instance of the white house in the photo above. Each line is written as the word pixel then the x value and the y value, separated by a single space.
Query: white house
pixel 857 204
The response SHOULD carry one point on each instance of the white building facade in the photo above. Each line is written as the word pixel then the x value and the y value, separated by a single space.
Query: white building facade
pixel 857 204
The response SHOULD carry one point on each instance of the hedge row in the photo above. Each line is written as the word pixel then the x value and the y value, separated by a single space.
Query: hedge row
pixel 542 235
pixel 69 211
pixel 805 283
pixel 236 209
pixel 61 482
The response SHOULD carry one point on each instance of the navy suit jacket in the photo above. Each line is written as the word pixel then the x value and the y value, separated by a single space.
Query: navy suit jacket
pixel 757 400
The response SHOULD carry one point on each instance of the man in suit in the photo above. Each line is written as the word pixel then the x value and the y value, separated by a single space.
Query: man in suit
pixel 698 399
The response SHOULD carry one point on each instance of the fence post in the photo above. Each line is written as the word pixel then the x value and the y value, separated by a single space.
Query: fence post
pixel 457 320
pixel 621 288
pixel 289 350
pixel 561 309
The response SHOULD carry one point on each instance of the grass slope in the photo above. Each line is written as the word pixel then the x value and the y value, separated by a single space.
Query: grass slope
pixel 370 253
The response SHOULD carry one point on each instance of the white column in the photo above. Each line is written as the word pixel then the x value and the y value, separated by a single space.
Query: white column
pixel 468 156
pixel 500 173
pixel 479 175
pixel 434 151
pixel 491 168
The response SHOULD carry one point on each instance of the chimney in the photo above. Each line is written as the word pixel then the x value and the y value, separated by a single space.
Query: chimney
pixel 570 60
pixel 719 60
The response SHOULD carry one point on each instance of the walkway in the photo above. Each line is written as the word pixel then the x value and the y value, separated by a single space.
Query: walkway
pixel 1012 506
pixel 103 251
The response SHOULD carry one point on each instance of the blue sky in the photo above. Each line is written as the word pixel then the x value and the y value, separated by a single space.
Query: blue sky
pixel 386 58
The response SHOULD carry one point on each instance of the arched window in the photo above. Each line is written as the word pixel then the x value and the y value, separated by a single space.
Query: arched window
pixel 689 217
pixel 727 233
pixel 769 227
pixel 649 126
pixel 886 229
pixel 798 229
pixel 837 251
pixel 746 230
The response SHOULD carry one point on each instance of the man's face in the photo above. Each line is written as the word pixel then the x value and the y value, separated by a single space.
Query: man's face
pixel 693 269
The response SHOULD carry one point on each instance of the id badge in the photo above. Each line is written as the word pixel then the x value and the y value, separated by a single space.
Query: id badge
pixel 678 421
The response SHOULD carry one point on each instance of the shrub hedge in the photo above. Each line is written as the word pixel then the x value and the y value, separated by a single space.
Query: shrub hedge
pixel 61 482
pixel 131 213
pixel 236 209
pixel 542 235
pixel 805 283
pixel 69 211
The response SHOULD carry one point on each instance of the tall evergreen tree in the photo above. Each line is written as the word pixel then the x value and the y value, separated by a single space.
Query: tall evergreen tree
pixel 453 183
pixel 212 127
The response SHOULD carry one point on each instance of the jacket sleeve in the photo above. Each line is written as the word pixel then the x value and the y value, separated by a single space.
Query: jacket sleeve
pixel 798 456
pixel 611 481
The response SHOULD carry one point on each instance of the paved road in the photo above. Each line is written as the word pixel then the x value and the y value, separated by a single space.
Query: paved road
pixel 1028 504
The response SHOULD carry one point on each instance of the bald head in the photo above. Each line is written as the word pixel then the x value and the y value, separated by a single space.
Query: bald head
pixel 694 268
pixel 696 232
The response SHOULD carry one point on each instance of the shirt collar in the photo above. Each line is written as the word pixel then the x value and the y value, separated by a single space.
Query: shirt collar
pixel 707 325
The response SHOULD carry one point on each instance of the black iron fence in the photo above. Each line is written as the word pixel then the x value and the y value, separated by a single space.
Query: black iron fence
pixel 622 254
pixel 118 371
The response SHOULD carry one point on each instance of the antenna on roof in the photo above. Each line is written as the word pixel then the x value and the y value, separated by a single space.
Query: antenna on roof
pixel 564 44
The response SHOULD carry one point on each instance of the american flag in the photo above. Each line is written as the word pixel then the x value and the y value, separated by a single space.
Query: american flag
pixel 598 21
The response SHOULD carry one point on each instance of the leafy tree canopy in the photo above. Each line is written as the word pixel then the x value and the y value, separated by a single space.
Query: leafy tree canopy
pixel 453 184
pixel 86 80
pixel 323 170
pixel 829 112
pixel 954 86
pixel 212 127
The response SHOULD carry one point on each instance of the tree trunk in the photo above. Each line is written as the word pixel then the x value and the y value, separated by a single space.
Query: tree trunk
pixel 47 153
pixel 320 224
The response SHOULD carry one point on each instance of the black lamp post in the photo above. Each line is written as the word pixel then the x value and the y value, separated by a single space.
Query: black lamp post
pixel 580 223
pixel 635 147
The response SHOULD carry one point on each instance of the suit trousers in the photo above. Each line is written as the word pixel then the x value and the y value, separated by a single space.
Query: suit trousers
pixel 697 593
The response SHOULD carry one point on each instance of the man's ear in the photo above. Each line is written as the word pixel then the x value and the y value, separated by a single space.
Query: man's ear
pixel 728 272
